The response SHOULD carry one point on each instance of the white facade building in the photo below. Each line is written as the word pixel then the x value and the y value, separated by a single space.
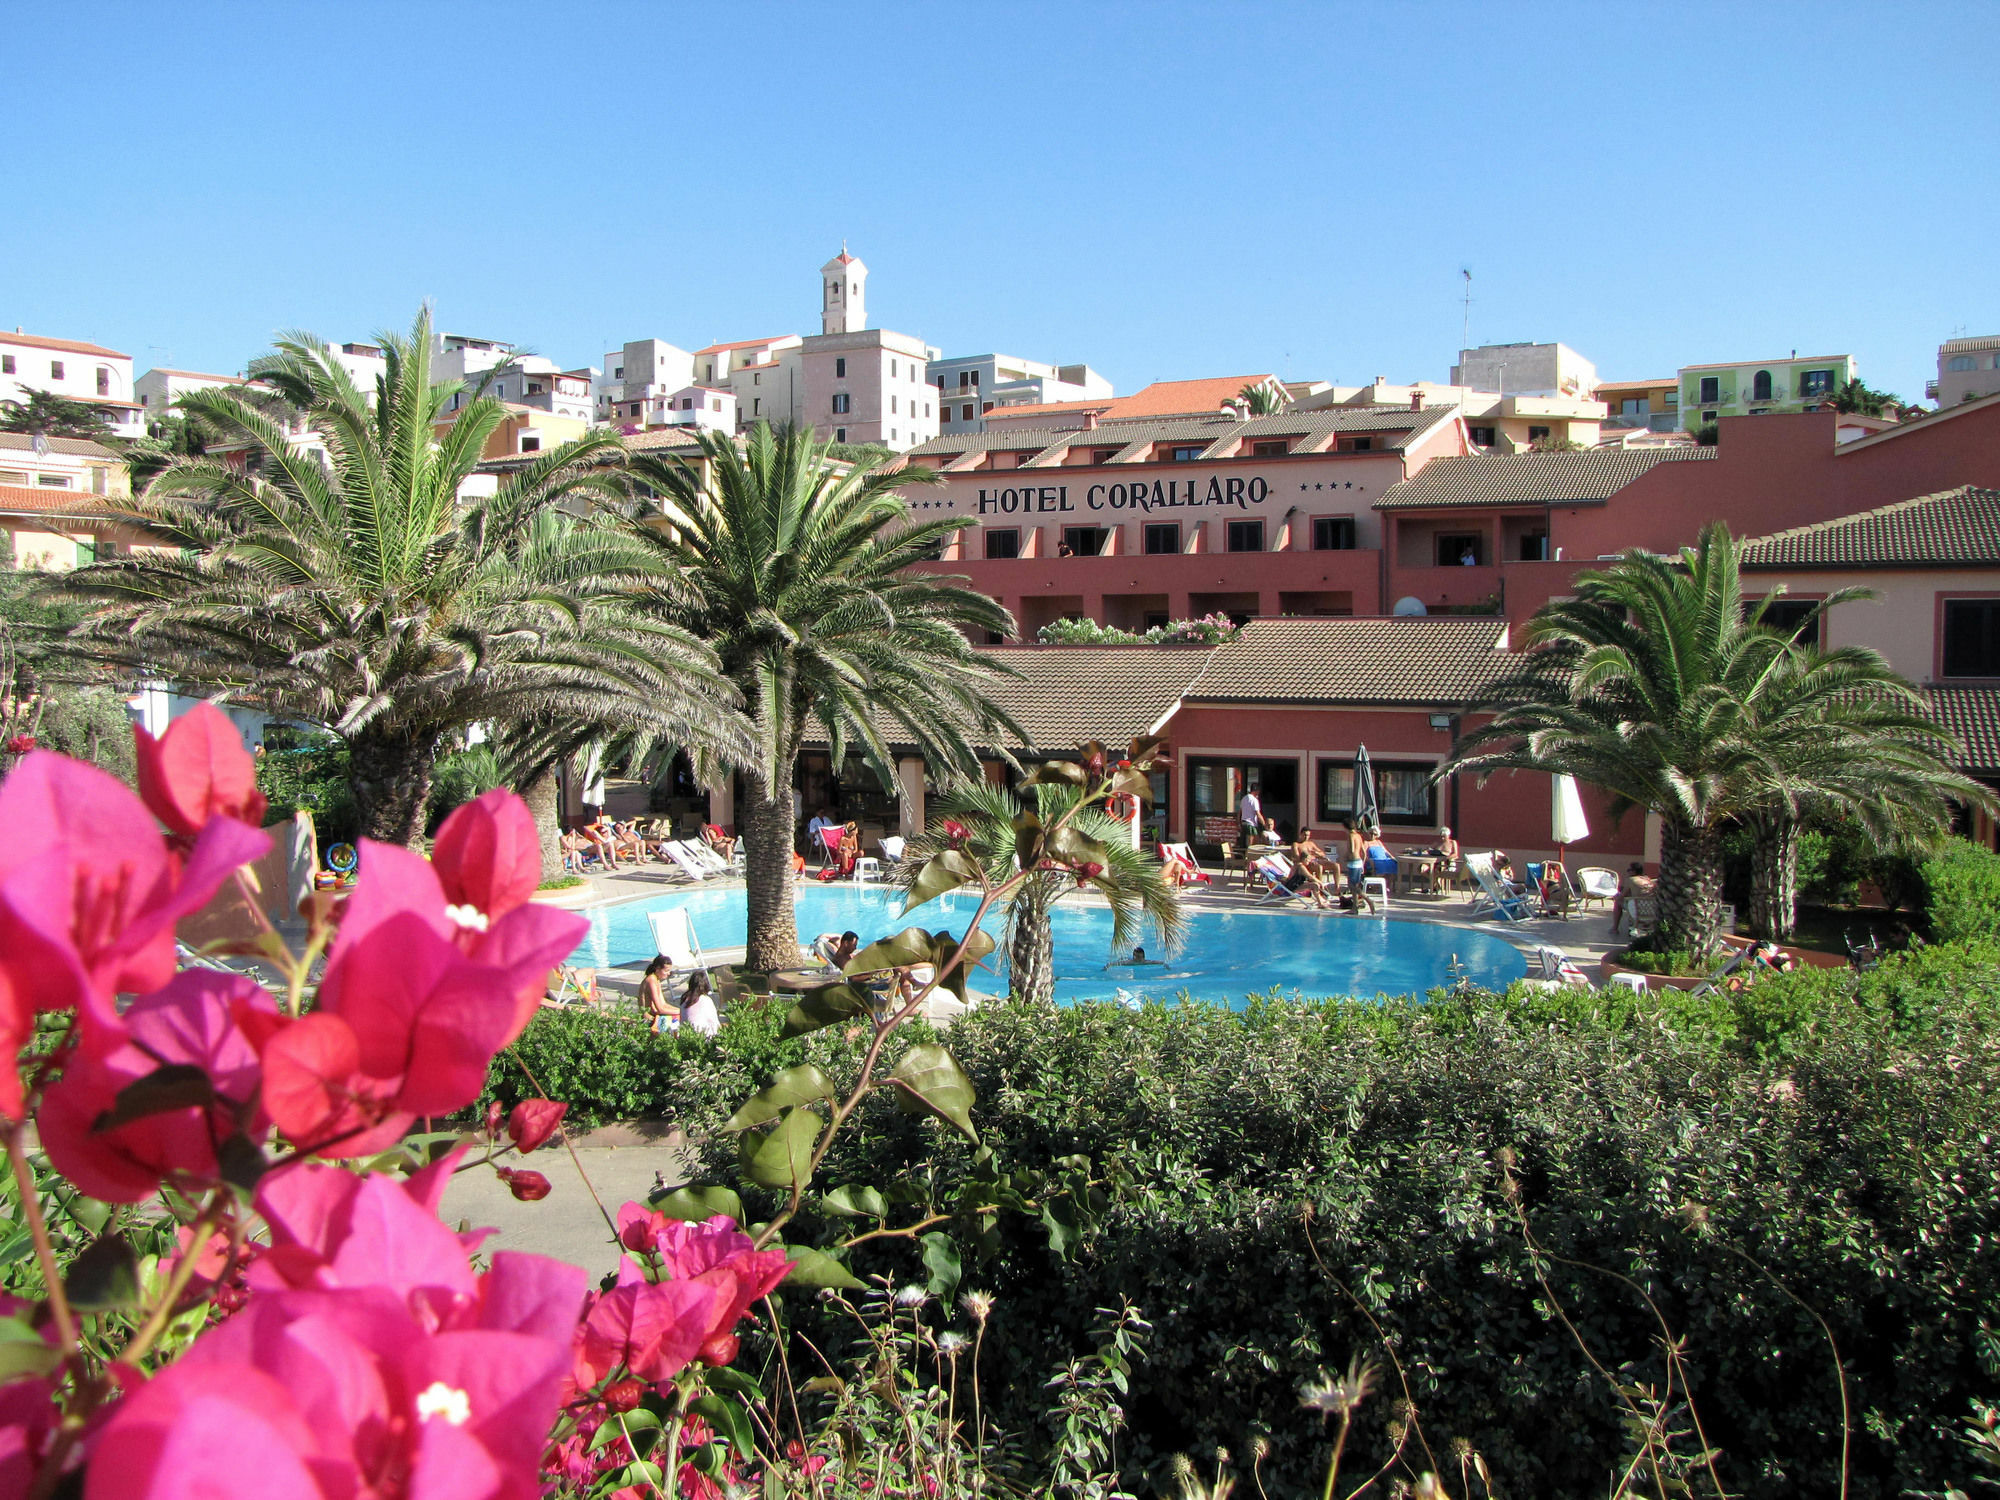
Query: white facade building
pixel 710 408
pixel 158 389
pixel 636 374
pixel 969 386
pixel 89 373
pixel 1526 370
pixel 1967 370
pixel 858 384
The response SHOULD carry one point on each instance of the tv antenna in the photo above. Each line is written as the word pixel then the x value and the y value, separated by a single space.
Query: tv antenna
pixel 1465 333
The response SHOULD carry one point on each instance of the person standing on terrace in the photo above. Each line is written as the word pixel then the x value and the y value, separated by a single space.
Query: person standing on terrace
pixel 1250 815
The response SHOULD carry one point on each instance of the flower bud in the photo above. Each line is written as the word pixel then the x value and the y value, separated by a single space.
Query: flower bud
pixel 623 1395
pixel 529 1187
pixel 533 1121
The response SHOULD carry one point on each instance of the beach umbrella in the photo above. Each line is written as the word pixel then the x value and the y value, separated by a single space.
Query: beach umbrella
pixel 1367 812
pixel 1567 824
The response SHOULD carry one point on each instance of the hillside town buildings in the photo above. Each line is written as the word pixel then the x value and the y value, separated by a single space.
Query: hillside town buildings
pixel 78 371
pixel 970 386
pixel 1967 370
pixel 1760 388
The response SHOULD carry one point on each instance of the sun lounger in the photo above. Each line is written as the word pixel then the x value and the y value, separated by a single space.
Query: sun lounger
pixel 892 849
pixel 1504 905
pixel 1181 856
pixel 1281 879
pixel 687 859
pixel 709 859
pixel 674 937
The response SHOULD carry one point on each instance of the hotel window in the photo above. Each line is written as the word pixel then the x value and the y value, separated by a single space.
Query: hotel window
pixel 1452 547
pixel 1972 638
pixel 1480 437
pixel 1268 450
pixel 7 364
pixel 892 406
pixel 1760 386
pixel 55 369
pixel 531 445
pixel 1536 434
pixel 1187 455
pixel 840 434
pixel 1711 388
pixel 1103 455
pixel 964 379
pixel 927 408
pixel 842 403
pixel 1003 541
pixel 534 388
pixel 975 380
pixel 1333 533
pixel 756 406
pixel 52 481
pixel 1632 406
pixel 1788 615
pixel 1163 537
pixel 985 407
pixel 1246 536
pixel 619 373
pixel 1086 541
pixel 1815 382
pixel 840 369
pixel 103 381
pixel 965 412
pixel 892 369
pixel 1534 546
pixel 1403 793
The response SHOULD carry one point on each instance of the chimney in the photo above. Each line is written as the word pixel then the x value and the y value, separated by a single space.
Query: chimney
pixel 1416 400
pixel 1089 418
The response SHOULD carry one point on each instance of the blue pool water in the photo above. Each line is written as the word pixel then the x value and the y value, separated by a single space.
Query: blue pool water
pixel 1228 954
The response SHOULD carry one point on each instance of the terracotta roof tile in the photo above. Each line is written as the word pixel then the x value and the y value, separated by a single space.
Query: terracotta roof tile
pixel 35 500
pixel 1591 476
pixel 1068 694
pixel 1973 714
pixel 1445 661
pixel 30 341
pixel 1183 397
pixel 1956 528
pixel 1203 429
pixel 745 344
pixel 79 447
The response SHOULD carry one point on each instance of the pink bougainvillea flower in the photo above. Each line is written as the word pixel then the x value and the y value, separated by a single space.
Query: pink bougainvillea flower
pixel 408 1021
pixel 652 1329
pixel 198 770
pixel 351 1393
pixel 488 854
pixel 529 1187
pixel 27 1419
pixel 533 1121
pixel 89 895
pixel 206 1026
pixel 714 1253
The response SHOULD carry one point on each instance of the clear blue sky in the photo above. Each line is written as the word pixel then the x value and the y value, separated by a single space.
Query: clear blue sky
pixel 1162 191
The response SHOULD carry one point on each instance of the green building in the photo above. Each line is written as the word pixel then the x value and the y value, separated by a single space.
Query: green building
pixel 1737 390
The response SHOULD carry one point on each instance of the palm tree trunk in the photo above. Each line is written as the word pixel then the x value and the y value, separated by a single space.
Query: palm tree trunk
pixel 1774 877
pixel 543 796
pixel 1690 889
pixel 772 939
pixel 1031 962
pixel 390 774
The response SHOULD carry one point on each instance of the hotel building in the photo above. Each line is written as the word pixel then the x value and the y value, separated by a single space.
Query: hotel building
pixel 77 371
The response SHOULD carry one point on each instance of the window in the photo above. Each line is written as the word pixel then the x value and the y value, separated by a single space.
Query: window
pixel 55 369
pixel 1972 638
pixel 1403 793
pixel 892 434
pixel 52 481
pixel 842 403
pixel 1815 382
pixel 7 364
pixel 1760 386
pixel 635 408
pixel 1534 546
pixel 1460 549
pixel 1632 406
pixel 619 373
pixel 1268 450
pixel 975 380
pixel 1333 533
pixel 1787 615
pixel 1708 416
pixel 940 385
pixel 500 391
pixel 715 403
pixel 927 408
pixel 756 406
pixel 964 379
pixel 687 403
pixel 757 379
pixel 1711 388
pixel 1246 536
pixel 103 381
pixel 534 388
pixel 892 406
pixel 531 445
pixel 840 369
pixel 1996 361
pixel 965 412
pixel 892 369
pixel 840 434
pixel 1003 541
pixel 1481 437
pixel 1086 541
pixel 985 407
pixel 1188 455
pixel 1163 537
pixel 1536 434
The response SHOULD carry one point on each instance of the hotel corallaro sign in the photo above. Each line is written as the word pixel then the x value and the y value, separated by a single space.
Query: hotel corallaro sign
pixel 1141 495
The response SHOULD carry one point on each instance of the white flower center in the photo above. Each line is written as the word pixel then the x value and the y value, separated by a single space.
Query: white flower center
pixel 440 1400
pixel 468 916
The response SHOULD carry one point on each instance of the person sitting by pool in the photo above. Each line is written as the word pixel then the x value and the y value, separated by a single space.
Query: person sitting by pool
pixel 576 849
pixel 720 842
pixel 1138 960
pixel 1631 884
pixel 836 951
pixel 821 821
pixel 698 1004
pixel 1380 860
pixel 1289 878
pixel 1309 856
pixel 1503 871
pixel 598 836
pixel 661 1013
pixel 845 855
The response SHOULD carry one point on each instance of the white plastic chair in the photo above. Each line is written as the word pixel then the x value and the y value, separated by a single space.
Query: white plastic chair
pixel 1375 888
pixel 1595 883
pixel 867 867
pixel 674 937
pixel 892 849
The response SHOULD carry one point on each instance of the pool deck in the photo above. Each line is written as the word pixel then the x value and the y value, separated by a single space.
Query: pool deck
pixel 1585 936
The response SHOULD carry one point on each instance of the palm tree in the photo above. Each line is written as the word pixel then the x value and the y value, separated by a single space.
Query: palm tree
pixel 1262 400
pixel 797 575
pixel 1133 880
pixel 365 594
pixel 1644 683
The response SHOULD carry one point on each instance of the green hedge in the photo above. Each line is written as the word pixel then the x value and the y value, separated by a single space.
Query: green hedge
pixel 1838 1130
pixel 1962 892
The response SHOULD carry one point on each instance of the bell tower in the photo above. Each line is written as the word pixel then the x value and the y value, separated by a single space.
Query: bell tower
pixel 844 301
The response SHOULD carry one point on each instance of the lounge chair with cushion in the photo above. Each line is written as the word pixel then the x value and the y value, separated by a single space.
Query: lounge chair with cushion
pixel 1184 870
pixel 1595 883
pixel 674 937
pixel 1281 879
pixel 1493 895
pixel 687 860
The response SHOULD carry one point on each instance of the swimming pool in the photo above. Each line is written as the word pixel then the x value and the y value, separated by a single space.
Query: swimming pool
pixel 1228 954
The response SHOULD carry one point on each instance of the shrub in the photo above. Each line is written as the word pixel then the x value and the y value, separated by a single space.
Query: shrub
pixel 1961 886
pixel 460 777
pixel 306 769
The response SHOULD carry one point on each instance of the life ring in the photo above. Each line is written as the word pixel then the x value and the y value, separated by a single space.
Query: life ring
pixel 341 858
pixel 1123 806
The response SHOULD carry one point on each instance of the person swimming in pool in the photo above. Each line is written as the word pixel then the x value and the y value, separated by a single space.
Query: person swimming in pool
pixel 1138 960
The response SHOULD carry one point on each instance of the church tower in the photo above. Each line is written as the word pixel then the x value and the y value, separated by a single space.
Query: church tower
pixel 844 307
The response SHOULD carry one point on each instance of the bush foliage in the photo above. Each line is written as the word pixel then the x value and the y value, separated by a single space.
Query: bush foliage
pixel 1254 1180
pixel 1962 892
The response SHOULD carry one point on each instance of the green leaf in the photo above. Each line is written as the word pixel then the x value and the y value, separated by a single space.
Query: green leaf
pixel 852 1202
pixel 943 872
pixel 105 1275
pixel 1133 783
pixel 909 947
pixel 729 1378
pixel 1069 847
pixel 698 1203
pixel 168 1087
pixel 18 1244
pixel 817 1268
pixel 22 1351
pixel 929 1079
pixel 242 1163
pixel 644 1473
pixel 827 1005
pixel 727 1418
pixel 800 1085
pixel 1057 773
pixel 941 1256
pixel 977 945
pixel 782 1156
